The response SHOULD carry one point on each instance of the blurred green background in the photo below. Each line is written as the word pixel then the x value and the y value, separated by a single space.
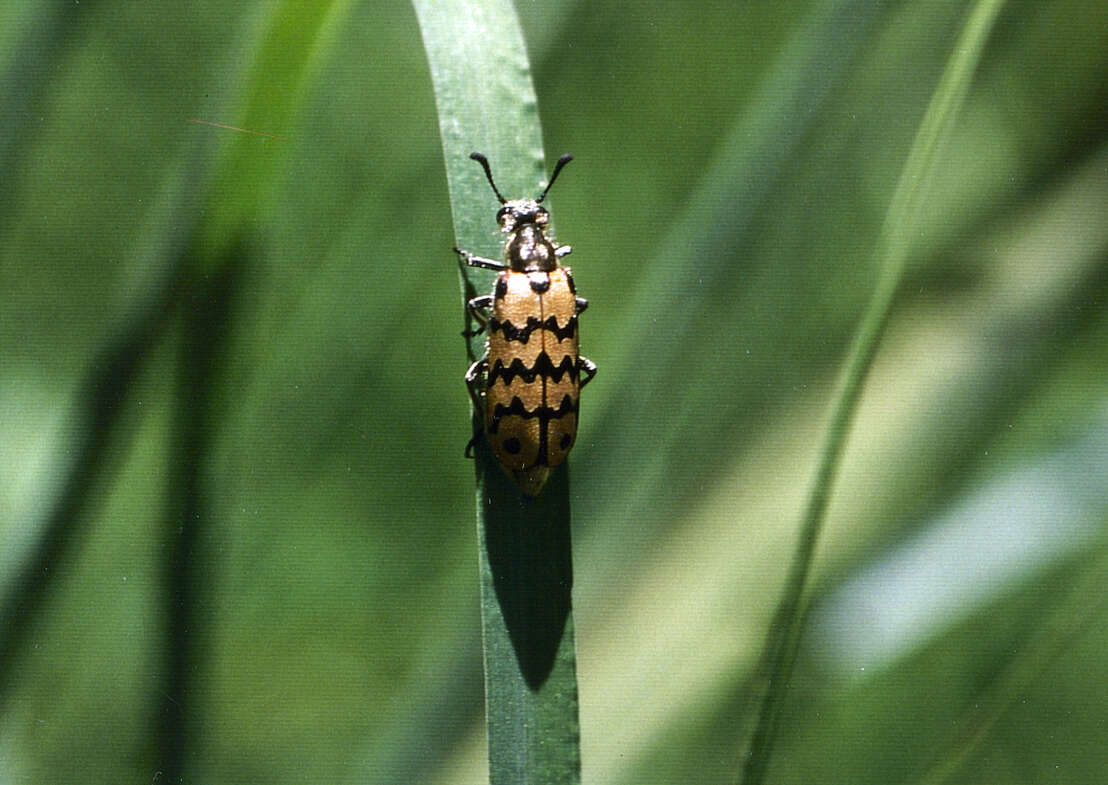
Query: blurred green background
pixel 233 412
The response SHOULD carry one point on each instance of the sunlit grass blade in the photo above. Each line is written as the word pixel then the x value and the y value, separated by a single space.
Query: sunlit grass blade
pixel 486 103
pixel 891 254
pixel 1084 603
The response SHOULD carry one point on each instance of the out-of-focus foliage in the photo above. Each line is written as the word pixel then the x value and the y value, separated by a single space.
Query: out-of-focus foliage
pixel 722 236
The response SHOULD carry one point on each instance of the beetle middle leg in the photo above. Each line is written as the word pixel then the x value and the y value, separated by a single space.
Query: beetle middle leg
pixel 476 372
pixel 478 308
pixel 587 368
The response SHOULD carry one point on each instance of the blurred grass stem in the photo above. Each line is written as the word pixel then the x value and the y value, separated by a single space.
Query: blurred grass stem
pixel 890 257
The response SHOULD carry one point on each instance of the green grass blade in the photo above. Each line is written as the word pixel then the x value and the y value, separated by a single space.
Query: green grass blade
pixel 486 102
pixel 891 255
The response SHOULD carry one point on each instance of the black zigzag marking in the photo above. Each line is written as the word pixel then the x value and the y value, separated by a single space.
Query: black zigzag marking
pixel 544 414
pixel 523 334
pixel 543 367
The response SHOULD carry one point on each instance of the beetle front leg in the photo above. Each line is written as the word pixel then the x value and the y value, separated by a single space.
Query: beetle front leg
pixel 479 261
pixel 582 304
pixel 563 250
pixel 587 368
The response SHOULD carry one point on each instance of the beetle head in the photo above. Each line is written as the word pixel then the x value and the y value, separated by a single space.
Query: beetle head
pixel 520 212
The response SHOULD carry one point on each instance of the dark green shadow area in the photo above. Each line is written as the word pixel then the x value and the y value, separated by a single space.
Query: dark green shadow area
pixel 530 659
pixel 101 435
pixel 207 315
pixel 531 568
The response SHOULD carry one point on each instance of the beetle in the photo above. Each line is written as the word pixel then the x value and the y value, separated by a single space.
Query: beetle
pixel 527 384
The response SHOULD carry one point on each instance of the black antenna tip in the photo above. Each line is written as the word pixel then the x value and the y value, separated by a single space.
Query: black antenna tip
pixel 479 158
pixel 565 159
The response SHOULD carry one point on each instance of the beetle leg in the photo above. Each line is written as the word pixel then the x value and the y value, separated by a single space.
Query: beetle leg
pixel 587 368
pixel 582 304
pixel 563 250
pixel 476 306
pixel 480 261
pixel 475 372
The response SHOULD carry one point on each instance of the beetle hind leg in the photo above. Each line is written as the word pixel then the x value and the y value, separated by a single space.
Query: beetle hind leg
pixel 472 443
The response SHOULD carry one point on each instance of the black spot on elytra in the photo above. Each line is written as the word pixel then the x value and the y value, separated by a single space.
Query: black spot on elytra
pixel 501 288
pixel 566 441
pixel 511 446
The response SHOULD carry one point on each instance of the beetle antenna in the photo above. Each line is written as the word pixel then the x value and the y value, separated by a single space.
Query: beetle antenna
pixel 488 173
pixel 565 159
